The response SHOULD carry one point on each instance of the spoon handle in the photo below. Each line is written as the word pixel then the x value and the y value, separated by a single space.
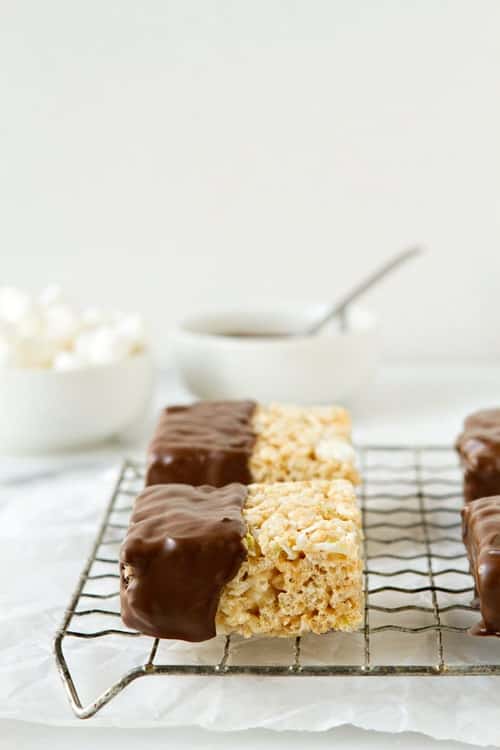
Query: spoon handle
pixel 340 307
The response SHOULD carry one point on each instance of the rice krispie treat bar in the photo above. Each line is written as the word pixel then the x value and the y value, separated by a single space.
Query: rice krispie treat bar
pixel 277 560
pixel 479 449
pixel 481 534
pixel 218 442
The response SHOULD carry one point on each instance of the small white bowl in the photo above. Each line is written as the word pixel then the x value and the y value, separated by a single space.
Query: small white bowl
pixel 331 366
pixel 46 410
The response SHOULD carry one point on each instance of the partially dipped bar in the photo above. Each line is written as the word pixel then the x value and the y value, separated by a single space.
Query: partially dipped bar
pixel 183 544
pixel 218 442
pixel 276 560
pixel 479 449
pixel 481 535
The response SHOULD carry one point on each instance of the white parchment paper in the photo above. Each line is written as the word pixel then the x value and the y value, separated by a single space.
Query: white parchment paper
pixel 46 532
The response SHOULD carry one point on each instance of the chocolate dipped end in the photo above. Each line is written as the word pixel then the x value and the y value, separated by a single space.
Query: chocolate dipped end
pixel 209 442
pixel 183 545
pixel 479 449
pixel 481 535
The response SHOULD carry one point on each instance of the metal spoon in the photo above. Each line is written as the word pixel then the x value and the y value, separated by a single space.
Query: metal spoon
pixel 340 308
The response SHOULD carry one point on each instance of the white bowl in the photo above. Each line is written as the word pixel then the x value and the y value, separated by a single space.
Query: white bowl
pixel 331 366
pixel 45 410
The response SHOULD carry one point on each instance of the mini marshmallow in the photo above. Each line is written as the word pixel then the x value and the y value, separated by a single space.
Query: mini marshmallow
pixel 14 304
pixel 131 327
pixel 61 323
pixel 101 346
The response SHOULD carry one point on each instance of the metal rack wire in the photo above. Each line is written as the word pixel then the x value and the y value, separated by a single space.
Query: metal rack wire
pixel 417 590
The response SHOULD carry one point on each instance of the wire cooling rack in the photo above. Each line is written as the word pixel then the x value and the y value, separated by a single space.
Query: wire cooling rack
pixel 417 595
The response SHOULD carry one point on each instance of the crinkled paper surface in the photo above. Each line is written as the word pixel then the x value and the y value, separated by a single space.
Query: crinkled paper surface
pixel 46 532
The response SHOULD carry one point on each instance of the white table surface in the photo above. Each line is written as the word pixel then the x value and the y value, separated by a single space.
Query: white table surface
pixel 419 404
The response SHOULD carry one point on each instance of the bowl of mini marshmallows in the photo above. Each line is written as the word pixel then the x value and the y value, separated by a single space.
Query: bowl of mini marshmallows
pixel 69 376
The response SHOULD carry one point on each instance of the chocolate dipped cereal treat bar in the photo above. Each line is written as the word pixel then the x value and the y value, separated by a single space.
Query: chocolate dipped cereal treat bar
pixel 218 442
pixel 479 449
pixel 277 560
pixel 481 534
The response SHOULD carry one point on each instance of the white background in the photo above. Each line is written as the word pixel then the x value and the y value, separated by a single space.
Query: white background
pixel 163 155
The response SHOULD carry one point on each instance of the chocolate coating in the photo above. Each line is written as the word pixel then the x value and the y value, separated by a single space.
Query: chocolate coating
pixel 479 450
pixel 183 545
pixel 481 535
pixel 209 442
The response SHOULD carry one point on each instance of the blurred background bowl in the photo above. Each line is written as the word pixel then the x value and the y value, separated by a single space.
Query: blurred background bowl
pixel 331 366
pixel 46 410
